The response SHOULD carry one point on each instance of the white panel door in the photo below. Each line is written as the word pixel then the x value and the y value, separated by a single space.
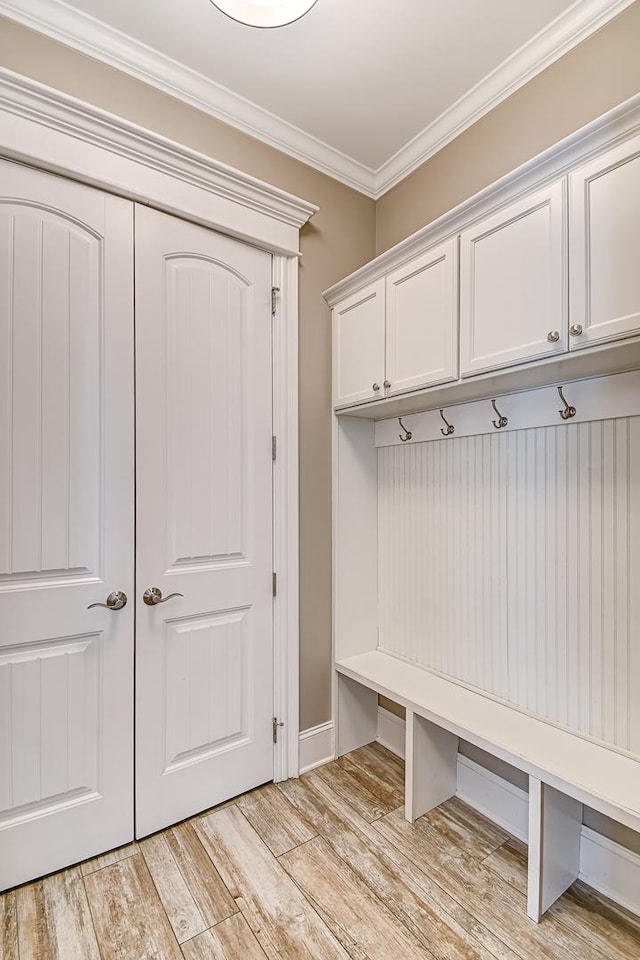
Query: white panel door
pixel 604 297
pixel 358 346
pixel 422 321
pixel 513 302
pixel 66 522
pixel 204 660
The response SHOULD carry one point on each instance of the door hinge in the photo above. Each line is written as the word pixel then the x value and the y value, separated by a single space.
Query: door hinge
pixel 275 584
pixel 274 447
pixel 274 292
pixel 275 724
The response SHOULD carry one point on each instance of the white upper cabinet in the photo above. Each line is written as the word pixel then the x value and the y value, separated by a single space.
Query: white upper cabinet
pixel 605 247
pixel 532 270
pixel 513 270
pixel 422 321
pixel 358 346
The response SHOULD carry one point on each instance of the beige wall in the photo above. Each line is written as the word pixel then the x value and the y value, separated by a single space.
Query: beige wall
pixel 338 240
pixel 594 77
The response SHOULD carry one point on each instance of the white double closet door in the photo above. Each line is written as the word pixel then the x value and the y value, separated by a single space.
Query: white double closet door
pixel 136 468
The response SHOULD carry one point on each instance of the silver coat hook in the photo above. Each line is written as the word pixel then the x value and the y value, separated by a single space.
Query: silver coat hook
pixel 568 411
pixel 407 433
pixel 501 421
pixel 450 427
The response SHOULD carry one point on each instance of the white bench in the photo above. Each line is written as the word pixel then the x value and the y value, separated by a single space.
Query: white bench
pixel 565 770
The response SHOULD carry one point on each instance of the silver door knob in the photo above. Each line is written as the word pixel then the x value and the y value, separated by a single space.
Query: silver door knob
pixel 375 387
pixel 387 385
pixel 153 596
pixel 575 329
pixel 115 601
pixel 553 336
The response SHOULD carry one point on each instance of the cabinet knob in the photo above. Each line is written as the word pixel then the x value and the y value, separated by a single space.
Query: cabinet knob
pixel 553 336
pixel 375 387
pixel 575 329
pixel 387 385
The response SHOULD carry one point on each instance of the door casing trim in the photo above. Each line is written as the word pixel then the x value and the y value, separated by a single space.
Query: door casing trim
pixel 54 132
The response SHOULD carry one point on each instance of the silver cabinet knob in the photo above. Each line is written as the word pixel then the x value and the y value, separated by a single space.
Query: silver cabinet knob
pixel 575 329
pixel 153 596
pixel 553 336
pixel 115 601
pixel 375 387
pixel 387 385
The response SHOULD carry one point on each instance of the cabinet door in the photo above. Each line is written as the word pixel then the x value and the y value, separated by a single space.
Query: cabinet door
pixel 422 320
pixel 358 346
pixel 513 304
pixel 605 247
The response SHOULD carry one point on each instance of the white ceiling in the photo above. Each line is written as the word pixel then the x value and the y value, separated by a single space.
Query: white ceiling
pixel 364 89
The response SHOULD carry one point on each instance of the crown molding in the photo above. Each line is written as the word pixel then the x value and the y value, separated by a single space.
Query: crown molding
pixel 618 125
pixel 98 40
pixel 48 114
pixel 567 31
pixel 84 33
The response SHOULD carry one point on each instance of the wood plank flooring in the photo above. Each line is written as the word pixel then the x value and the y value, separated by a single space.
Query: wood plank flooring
pixel 321 868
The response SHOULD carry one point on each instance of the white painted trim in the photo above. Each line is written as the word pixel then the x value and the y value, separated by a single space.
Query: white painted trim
pixel 102 42
pixel 612 128
pixel 285 516
pixel 391 732
pixel 605 865
pixel 60 134
pixel 599 398
pixel 554 41
pixel 610 868
pixel 495 798
pixel 316 746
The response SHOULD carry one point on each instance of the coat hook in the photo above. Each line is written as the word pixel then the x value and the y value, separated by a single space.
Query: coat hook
pixel 568 411
pixel 501 421
pixel 407 433
pixel 450 427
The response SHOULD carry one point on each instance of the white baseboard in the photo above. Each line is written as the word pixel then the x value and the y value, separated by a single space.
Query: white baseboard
pixel 316 746
pixel 604 865
pixel 610 868
pixel 495 798
pixel 391 732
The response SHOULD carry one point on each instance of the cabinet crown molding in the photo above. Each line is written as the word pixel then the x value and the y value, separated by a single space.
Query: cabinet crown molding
pixel 614 127
pixel 26 98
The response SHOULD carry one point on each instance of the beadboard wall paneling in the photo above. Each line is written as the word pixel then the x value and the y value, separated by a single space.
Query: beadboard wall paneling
pixel 512 563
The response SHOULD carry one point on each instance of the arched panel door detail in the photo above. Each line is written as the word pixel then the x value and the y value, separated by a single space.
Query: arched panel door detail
pixel 204 700
pixel 66 522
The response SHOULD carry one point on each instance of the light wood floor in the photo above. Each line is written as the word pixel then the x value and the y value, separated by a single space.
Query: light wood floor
pixel 323 868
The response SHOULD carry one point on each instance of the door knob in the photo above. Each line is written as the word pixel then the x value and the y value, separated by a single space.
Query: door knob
pixel 575 329
pixel 375 387
pixel 387 385
pixel 153 596
pixel 553 336
pixel 115 601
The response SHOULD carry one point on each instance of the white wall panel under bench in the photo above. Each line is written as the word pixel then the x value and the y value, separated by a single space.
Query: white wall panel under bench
pixel 510 562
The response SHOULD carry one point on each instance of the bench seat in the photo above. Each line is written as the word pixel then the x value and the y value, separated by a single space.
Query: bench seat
pixel 565 769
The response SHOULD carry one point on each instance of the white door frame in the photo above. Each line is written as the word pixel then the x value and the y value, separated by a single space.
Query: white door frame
pixel 50 130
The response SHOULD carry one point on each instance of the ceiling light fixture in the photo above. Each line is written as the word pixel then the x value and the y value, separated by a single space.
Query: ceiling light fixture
pixel 264 13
